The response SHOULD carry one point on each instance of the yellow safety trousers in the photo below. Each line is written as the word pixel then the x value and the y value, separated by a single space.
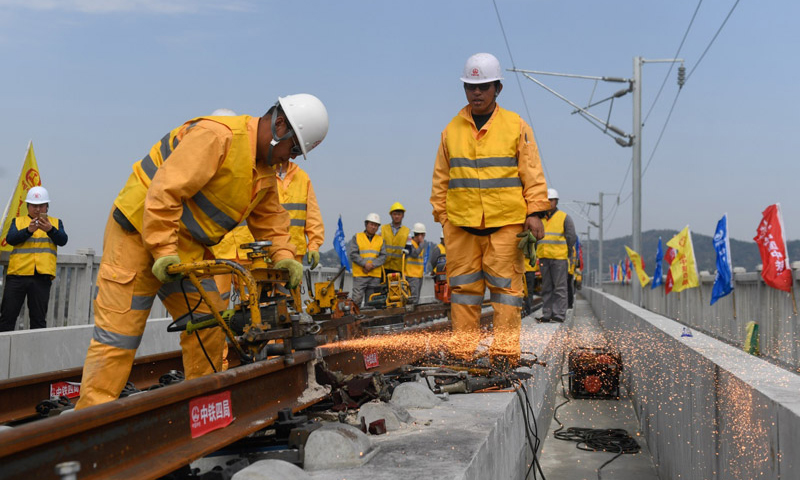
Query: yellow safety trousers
pixel 126 291
pixel 473 263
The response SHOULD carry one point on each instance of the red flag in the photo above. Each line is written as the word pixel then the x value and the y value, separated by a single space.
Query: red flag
pixel 628 268
pixel 668 258
pixel 772 246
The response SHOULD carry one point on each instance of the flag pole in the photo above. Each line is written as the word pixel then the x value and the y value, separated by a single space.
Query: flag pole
pixel 794 303
pixel 733 292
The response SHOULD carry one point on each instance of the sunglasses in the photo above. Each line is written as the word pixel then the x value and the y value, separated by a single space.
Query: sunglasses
pixel 475 86
pixel 296 150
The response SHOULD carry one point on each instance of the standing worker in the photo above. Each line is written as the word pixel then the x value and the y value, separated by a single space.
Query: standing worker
pixel 438 257
pixel 367 252
pixel 193 187
pixel 298 198
pixel 32 263
pixel 553 252
pixel 415 262
pixel 488 188
pixel 395 237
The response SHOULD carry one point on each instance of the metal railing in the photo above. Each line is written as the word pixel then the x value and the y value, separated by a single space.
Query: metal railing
pixel 726 320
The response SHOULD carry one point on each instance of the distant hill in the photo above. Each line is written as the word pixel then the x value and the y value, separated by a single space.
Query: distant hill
pixel 743 253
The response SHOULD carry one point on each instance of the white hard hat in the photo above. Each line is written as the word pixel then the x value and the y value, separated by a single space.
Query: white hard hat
pixel 482 68
pixel 37 196
pixel 552 193
pixel 308 118
pixel 374 218
pixel 419 228
pixel 223 112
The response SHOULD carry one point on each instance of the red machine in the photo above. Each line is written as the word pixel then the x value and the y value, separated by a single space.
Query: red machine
pixel 595 373
pixel 440 286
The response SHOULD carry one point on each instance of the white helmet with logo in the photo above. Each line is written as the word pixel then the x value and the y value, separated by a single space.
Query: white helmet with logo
pixel 308 118
pixel 552 193
pixel 223 112
pixel 419 228
pixel 482 68
pixel 374 218
pixel 37 196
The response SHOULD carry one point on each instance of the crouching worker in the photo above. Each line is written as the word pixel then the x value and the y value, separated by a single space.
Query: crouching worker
pixel 194 186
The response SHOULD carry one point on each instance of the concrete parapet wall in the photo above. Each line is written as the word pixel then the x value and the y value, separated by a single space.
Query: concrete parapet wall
pixel 29 352
pixel 708 409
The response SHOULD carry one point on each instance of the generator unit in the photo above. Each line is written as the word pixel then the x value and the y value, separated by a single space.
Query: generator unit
pixel 594 373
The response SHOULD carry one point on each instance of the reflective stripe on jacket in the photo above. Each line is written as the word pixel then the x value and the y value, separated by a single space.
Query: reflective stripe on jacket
pixel 394 246
pixel 297 197
pixel 554 243
pixel 37 254
pixel 367 249
pixel 415 266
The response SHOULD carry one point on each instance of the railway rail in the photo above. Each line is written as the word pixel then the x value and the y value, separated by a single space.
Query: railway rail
pixel 151 434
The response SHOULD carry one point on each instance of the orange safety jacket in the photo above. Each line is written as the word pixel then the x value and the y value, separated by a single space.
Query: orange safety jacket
pixel 38 254
pixel 298 198
pixel 490 177
pixel 198 183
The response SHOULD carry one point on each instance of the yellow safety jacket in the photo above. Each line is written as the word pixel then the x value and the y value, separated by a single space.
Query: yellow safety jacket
pixel 394 246
pixel 368 249
pixel 220 205
pixel 296 196
pixel 554 243
pixel 484 180
pixel 415 266
pixel 36 255
pixel 229 248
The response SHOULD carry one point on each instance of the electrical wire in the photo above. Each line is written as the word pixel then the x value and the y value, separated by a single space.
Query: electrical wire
pixel 521 91
pixel 191 318
pixel 712 40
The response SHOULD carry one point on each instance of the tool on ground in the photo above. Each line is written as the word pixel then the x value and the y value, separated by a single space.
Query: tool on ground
pixel 595 372
pixel 393 292
pixel 264 314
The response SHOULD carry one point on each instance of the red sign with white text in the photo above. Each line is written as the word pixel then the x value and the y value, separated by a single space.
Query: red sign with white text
pixel 769 237
pixel 65 389
pixel 210 413
pixel 371 360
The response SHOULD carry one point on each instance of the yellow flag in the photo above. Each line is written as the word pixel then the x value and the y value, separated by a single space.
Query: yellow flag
pixel 16 207
pixel 636 260
pixel 684 267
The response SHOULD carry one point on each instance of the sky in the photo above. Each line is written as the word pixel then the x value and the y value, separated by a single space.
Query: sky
pixel 95 83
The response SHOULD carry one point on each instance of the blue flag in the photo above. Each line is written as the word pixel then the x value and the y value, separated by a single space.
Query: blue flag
pixel 723 280
pixel 340 245
pixel 624 272
pixel 657 275
pixel 425 266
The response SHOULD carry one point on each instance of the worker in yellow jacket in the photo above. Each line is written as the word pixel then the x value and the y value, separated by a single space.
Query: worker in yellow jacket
pixel 395 237
pixel 488 187
pixel 554 252
pixel 298 198
pixel 32 262
pixel 367 252
pixel 195 185
pixel 415 262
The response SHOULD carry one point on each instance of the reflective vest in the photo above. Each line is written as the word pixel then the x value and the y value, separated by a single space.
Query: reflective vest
pixel 554 243
pixel 367 249
pixel 415 266
pixel 294 199
pixel 394 246
pixel 441 260
pixel 484 179
pixel 37 254
pixel 220 205
pixel 573 261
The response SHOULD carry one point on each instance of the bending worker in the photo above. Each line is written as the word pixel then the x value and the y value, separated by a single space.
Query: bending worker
pixel 395 237
pixel 32 263
pixel 553 252
pixel 367 252
pixel 194 186
pixel 415 262
pixel 488 187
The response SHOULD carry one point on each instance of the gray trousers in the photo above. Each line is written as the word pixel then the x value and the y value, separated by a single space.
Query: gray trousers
pixel 415 285
pixel 359 285
pixel 554 288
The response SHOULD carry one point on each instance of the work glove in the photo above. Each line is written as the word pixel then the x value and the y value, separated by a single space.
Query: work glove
pixel 295 269
pixel 160 268
pixel 528 245
pixel 312 257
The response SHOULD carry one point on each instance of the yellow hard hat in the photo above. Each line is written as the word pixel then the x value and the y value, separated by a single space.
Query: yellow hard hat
pixel 397 206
